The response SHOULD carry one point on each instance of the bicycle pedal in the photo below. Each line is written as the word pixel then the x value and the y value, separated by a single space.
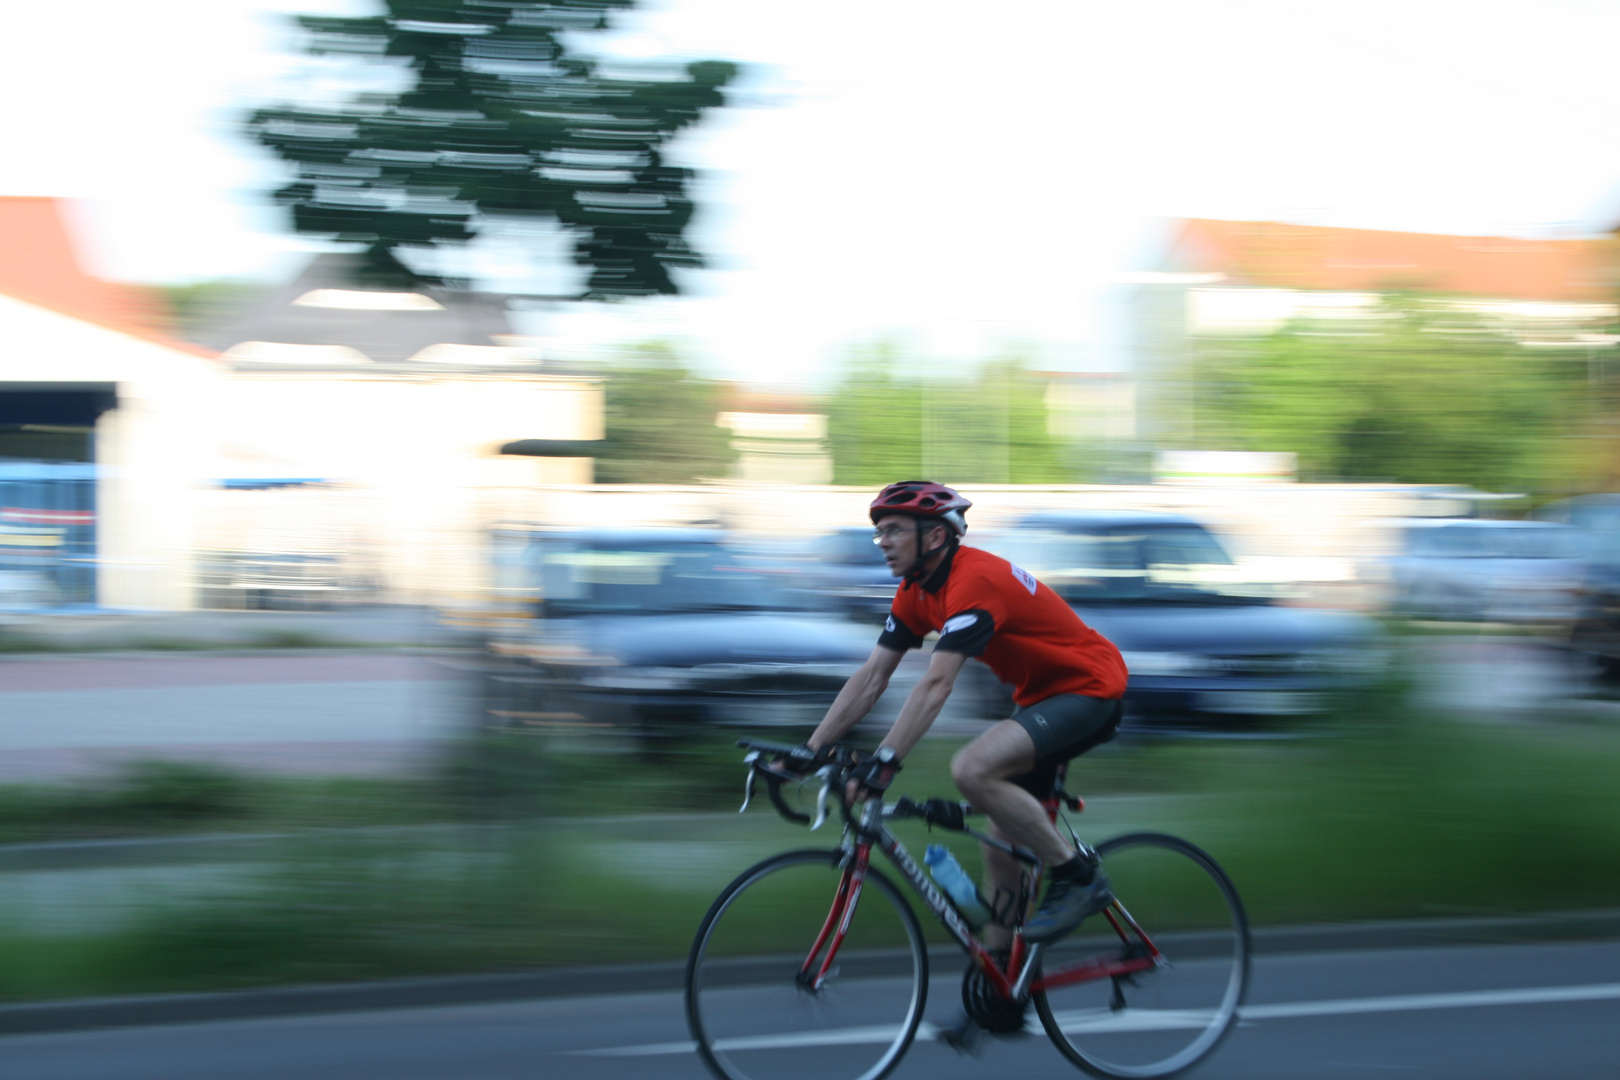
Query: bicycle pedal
pixel 963 1037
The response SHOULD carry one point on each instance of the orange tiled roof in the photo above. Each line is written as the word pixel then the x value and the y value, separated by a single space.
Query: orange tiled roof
pixel 39 265
pixel 1277 255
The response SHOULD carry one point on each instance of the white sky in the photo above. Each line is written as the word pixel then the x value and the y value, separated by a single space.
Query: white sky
pixel 960 176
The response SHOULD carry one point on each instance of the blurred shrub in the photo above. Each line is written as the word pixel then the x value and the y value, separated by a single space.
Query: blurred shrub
pixel 14 642
pixel 660 423
pixel 987 429
pixel 176 791
pixel 145 796
pixel 1418 391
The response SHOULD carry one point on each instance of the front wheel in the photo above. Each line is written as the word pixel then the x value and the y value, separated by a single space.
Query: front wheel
pixel 751 994
pixel 1166 1018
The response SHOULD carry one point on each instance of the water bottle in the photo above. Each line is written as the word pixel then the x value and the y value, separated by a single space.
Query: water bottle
pixel 957 885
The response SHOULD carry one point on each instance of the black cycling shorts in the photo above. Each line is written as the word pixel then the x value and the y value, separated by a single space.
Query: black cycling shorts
pixel 1064 727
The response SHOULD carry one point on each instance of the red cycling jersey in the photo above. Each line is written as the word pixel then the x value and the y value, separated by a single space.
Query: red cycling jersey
pixel 985 606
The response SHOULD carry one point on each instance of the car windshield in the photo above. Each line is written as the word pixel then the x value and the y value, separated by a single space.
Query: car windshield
pixel 850 547
pixel 1504 542
pixel 1151 562
pixel 597 578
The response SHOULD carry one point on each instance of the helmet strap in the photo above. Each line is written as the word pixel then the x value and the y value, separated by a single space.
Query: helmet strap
pixel 919 568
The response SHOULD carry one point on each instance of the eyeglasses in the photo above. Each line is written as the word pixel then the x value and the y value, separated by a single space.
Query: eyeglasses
pixel 889 532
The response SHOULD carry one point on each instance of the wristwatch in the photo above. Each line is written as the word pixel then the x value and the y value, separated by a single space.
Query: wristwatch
pixel 886 755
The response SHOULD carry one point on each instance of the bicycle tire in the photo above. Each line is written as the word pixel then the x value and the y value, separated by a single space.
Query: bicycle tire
pixel 747 1012
pixel 1168 1018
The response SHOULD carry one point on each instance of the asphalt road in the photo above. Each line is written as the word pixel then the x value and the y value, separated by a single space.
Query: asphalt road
pixel 1471 1013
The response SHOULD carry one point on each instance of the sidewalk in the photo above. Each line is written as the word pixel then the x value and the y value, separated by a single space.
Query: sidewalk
pixel 361 625
pixel 158 1009
pixel 356 691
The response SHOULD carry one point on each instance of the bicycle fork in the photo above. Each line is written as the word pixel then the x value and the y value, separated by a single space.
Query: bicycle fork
pixel 813 978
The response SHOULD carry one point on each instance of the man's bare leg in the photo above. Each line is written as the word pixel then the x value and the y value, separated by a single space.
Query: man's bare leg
pixel 983 770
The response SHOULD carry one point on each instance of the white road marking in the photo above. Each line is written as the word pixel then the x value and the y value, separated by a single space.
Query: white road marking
pixel 1102 1020
pixel 1466 999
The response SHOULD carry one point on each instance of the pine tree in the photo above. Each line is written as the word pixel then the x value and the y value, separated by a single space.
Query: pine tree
pixel 502 120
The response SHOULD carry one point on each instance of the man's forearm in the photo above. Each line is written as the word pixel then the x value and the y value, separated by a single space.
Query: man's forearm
pixel 918 713
pixel 854 701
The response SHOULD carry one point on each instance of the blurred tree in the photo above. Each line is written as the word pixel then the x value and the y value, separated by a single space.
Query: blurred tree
pixel 660 423
pixel 874 421
pixel 501 120
pixel 198 306
pixel 990 429
pixel 1421 392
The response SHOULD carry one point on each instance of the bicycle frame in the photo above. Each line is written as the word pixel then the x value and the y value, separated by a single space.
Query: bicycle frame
pixel 858 844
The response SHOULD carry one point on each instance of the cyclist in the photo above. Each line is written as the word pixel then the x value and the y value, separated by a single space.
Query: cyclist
pixel 1067 682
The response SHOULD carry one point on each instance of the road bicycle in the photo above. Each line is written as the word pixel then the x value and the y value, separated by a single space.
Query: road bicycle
pixel 812 963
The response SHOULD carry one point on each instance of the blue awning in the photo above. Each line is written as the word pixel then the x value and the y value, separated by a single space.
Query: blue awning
pixel 258 483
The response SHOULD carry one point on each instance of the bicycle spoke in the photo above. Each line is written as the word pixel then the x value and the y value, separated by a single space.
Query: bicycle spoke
pixel 1164 1017
pixel 749 1009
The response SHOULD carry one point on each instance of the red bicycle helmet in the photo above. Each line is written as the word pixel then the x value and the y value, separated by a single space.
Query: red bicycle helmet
pixel 923 498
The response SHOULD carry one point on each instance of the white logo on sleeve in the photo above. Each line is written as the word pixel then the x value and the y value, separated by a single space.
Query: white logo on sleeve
pixel 1025 578
pixel 958 622
pixel 888 624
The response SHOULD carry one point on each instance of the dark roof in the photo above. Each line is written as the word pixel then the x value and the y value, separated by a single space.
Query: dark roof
pixel 630 537
pixel 1087 520
pixel 388 336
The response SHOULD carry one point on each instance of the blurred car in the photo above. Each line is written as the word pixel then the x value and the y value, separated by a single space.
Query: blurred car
pixel 1200 641
pixel 847 575
pixel 25 589
pixel 275 580
pixel 1484 570
pixel 662 629
pixel 1595 628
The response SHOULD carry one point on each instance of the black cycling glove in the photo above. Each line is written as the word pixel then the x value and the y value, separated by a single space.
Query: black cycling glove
pixel 874 773
pixel 803 758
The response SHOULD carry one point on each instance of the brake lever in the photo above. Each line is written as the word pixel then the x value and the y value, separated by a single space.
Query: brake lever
pixel 748 785
pixel 825 772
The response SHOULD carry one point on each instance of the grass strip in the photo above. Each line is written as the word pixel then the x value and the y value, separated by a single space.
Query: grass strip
pixel 1399 815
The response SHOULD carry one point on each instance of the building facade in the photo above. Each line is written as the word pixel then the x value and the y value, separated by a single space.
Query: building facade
pixel 337 442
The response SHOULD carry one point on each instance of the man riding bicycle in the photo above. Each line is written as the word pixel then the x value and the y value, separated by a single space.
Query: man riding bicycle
pixel 1067 682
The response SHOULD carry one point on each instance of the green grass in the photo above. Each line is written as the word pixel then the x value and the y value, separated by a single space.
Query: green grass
pixel 167 798
pixel 1397 815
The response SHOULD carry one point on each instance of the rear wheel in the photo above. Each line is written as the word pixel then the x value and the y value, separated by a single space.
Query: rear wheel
pixel 1163 1020
pixel 749 995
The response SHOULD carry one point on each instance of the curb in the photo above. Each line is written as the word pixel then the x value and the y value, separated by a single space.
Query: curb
pixel 158 1009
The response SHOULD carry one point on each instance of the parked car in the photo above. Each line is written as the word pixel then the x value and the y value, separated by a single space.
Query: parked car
pixel 1595 628
pixel 22 590
pixel 1200 642
pixel 1484 570
pixel 662 629
pixel 847 574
